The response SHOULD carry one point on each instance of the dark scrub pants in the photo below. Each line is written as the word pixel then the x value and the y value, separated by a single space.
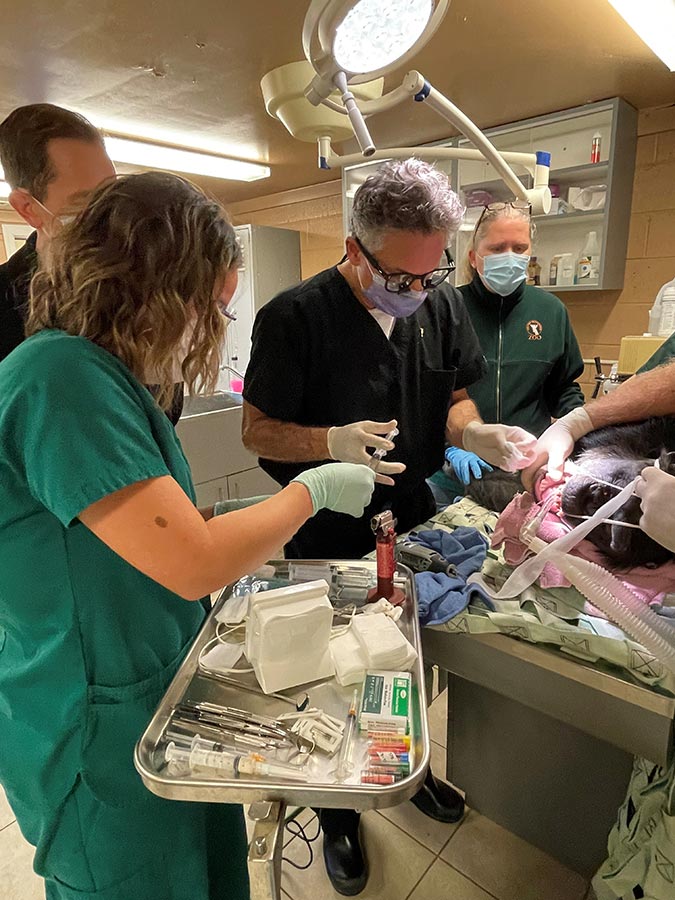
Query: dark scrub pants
pixel 88 644
pixel 320 359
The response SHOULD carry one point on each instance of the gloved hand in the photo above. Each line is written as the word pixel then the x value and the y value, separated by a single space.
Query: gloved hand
pixel 656 490
pixel 347 443
pixel 505 446
pixel 342 487
pixel 466 464
pixel 557 443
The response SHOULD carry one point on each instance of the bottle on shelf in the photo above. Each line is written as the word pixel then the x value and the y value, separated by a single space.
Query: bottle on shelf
pixel 662 313
pixel 595 147
pixel 588 263
pixel 533 271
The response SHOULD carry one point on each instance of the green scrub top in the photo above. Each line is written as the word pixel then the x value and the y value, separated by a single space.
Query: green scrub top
pixel 88 644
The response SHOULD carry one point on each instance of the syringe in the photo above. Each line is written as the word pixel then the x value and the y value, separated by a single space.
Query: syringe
pixel 200 756
pixel 378 455
pixel 344 766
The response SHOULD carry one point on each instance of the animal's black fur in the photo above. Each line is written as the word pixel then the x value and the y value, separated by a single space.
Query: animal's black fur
pixel 615 454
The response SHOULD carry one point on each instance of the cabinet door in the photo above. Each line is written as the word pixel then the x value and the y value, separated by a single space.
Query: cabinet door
pixel 210 492
pixel 251 483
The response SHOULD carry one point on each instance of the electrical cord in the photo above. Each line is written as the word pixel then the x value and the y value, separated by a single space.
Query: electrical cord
pixel 296 830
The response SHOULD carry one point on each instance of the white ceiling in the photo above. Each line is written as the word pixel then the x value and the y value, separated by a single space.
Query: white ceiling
pixel 190 72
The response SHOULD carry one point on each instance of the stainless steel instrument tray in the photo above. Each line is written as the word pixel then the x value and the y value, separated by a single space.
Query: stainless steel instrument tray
pixel 322 789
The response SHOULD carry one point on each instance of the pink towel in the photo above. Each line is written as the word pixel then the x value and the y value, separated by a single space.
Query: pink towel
pixel 649 584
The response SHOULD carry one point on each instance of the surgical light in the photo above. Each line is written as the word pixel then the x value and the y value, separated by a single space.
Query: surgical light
pixel 158 156
pixel 654 22
pixel 376 33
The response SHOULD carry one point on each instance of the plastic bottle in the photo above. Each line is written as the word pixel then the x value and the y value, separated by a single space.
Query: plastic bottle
pixel 588 264
pixel 533 271
pixel 595 147
pixel 662 313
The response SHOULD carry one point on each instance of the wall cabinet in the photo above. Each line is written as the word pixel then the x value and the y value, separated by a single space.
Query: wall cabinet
pixel 569 136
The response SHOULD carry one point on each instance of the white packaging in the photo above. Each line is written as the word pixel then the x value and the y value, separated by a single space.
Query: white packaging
pixel 287 635
pixel 349 660
pixel 383 643
pixel 662 314
pixel 565 269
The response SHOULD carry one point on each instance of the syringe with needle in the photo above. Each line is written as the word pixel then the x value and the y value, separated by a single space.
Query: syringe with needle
pixel 378 455
pixel 345 766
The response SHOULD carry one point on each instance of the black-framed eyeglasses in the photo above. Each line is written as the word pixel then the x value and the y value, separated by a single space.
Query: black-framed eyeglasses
pixel 399 282
pixel 521 205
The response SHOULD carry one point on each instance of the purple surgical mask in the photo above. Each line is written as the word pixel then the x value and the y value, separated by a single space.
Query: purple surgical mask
pixel 400 306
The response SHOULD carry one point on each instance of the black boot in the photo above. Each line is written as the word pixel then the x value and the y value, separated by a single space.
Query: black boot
pixel 438 800
pixel 342 852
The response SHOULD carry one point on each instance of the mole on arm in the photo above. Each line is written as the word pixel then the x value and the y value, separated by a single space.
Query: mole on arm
pixel 161 522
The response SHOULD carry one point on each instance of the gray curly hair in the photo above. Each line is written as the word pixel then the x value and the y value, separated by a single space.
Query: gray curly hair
pixel 408 195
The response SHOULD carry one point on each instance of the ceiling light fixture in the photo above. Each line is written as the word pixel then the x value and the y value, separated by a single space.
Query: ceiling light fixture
pixel 654 22
pixel 174 159
pixel 349 42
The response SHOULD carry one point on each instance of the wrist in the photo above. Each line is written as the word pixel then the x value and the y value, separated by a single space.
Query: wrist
pixel 468 433
pixel 578 422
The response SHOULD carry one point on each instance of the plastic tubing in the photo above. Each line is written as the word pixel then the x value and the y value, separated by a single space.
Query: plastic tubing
pixel 619 603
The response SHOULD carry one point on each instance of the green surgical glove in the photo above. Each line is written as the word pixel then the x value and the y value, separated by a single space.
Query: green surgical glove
pixel 221 507
pixel 342 487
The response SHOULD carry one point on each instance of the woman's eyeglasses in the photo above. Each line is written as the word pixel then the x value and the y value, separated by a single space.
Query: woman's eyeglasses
pixel 399 282
pixel 521 205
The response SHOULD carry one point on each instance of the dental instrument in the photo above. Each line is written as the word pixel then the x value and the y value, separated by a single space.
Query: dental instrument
pixel 345 766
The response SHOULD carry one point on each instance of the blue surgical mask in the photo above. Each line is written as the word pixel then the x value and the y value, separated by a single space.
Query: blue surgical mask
pixel 400 306
pixel 504 272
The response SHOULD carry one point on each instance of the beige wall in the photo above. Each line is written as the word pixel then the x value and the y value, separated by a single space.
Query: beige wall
pixel 600 319
pixel 315 211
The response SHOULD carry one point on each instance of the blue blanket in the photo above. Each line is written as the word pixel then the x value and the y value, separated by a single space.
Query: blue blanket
pixel 441 597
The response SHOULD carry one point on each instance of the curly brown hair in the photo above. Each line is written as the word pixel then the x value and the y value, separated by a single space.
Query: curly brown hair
pixel 139 269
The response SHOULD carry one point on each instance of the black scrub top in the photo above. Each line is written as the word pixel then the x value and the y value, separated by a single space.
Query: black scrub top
pixel 319 359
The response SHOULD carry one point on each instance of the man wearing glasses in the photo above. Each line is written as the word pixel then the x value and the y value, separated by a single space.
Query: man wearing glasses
pixel 337 362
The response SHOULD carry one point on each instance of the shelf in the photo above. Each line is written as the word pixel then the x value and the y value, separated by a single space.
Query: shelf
pixel 588 174
pixel 579 217
pixel 554 288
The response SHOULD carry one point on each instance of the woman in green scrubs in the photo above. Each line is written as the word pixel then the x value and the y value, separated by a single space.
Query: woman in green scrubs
pixel 101 544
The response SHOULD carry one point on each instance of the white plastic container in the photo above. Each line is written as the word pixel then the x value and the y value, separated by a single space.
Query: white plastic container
pixel 588 264
pixel 662 313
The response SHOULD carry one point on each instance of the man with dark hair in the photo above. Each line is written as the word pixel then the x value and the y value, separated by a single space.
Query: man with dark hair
pixel 52 158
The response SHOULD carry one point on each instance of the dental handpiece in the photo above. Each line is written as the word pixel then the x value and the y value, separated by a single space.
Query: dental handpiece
pixel 378 455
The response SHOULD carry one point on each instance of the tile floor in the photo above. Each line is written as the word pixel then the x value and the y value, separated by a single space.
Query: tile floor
pixel 425 860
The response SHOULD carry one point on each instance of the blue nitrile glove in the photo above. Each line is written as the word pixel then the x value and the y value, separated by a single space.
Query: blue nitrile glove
pixel 342 487
pixel 466 464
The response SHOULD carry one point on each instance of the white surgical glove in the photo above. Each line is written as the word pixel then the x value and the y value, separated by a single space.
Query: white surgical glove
pixel 342 487
pixel 505 446
pixel 557 442
pixel 656 490
pixel 348 443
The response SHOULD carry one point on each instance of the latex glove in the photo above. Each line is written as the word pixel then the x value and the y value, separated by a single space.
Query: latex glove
pixel 348 443
pixel 342 487
pixel 466 464
pixel 656 490
pixel 505 446
pixel 557 443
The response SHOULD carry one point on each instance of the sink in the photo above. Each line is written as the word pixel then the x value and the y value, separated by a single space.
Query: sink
pixel 197 406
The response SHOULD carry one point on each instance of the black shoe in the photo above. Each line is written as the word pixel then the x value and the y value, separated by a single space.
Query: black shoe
pixel 438 800
pixel 342 853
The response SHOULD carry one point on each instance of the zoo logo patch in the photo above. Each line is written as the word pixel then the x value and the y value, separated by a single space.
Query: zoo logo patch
pixel 534 330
